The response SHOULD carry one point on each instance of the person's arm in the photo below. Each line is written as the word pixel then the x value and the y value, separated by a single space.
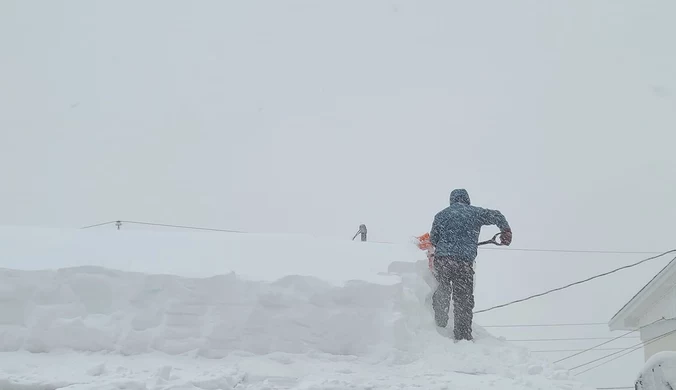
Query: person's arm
pixel 495 217
pixel 434 232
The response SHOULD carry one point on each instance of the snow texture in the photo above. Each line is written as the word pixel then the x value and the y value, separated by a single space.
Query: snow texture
pixel 91 327
pixel 659 372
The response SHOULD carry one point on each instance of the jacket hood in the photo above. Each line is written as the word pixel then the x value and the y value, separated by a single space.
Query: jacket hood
pixel 460 196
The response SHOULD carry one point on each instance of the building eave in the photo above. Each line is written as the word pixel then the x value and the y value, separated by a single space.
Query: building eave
pixel 628 317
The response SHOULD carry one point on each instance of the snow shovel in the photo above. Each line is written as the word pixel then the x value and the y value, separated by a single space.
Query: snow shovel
pixel 492 241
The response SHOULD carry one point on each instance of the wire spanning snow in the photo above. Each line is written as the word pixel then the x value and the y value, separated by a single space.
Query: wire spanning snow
pixel 91 327
pixel 201 254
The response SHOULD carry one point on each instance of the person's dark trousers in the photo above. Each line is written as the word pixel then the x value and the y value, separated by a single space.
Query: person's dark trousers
pixel 456 280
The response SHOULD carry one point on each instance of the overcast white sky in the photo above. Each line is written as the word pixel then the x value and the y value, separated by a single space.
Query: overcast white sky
pixel 313 117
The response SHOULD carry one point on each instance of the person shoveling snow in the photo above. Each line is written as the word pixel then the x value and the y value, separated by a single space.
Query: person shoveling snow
pixel 451 249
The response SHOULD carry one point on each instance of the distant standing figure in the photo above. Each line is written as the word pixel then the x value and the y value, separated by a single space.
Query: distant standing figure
pixel 455 235
pixel 362 231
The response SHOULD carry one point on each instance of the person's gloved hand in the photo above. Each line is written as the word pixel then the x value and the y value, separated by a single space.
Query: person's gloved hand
pixel 506 237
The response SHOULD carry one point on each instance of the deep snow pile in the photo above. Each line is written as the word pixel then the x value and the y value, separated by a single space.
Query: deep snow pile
pixel 143 330
pixel 659 372
pixel 96 309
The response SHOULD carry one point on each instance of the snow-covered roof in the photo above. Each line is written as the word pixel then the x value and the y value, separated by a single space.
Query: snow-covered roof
pixel 628 318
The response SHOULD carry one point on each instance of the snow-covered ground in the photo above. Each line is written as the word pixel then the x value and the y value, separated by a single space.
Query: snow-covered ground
pixel 343 315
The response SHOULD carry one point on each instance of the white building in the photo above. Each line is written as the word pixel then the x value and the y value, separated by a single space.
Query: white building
pixel 652 311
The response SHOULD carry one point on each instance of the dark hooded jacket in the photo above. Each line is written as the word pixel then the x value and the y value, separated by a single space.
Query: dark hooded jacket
pixel 455 231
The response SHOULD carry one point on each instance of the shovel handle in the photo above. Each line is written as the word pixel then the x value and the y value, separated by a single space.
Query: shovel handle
pixel 492 241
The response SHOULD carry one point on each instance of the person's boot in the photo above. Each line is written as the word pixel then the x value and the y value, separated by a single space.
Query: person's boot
pixel 463 338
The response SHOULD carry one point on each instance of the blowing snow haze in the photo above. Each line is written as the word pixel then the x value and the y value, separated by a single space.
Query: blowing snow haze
pixel 304 117
pixel 315 117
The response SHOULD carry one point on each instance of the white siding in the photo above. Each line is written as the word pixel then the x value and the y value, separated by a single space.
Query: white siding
pixel 658 338
pixel 664 307
pixel 667 343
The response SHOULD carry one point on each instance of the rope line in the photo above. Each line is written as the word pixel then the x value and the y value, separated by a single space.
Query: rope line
pixel 390 242
pixel 163 225
pixel 629 350
pixel 613 359
pixel 183 227
pixel 98 224
pixel 576 350
pixel 613 339
pixel 608 252
pixel 573 339
pixel 543 325
pixel 575 283
pixel 615 388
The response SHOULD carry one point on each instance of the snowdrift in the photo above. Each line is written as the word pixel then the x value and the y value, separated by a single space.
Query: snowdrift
pixel 224 331
pixel 658 373
pixel 96 309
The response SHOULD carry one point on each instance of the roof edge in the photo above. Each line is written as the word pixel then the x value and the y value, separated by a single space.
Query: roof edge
pixel 619 320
